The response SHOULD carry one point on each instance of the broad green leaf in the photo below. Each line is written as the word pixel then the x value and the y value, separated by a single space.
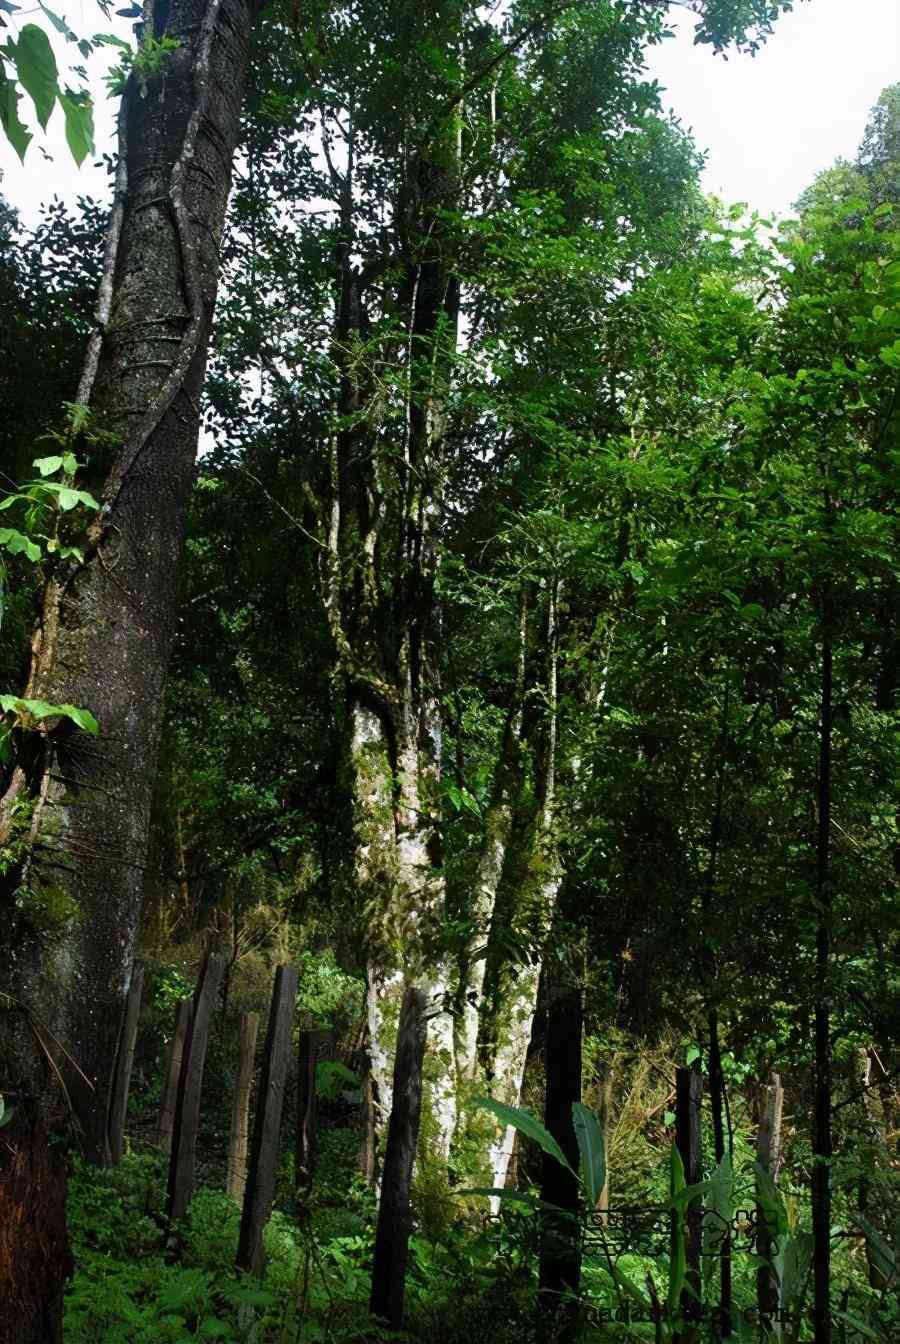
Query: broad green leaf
pixel 42 709
pixel 36 68
pixel 18 544
pixel 47 465
pixel 590 1146
pixel 16 133
pixel 768 1197
pixel 79 116
pixel 720 1205
pixel 526 1124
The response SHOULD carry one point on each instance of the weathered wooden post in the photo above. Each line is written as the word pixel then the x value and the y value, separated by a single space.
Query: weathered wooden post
pixel 688 1092
pixel 118 1102
pixel 260 1190
pixel 559 1269
pixel 236 1172
pixel 308 1055
pixel 166 1121
pixel 768 1155
pixel 395 1208
pixel 182 1160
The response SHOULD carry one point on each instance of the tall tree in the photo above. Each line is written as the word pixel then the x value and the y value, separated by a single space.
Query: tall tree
pixel 74 815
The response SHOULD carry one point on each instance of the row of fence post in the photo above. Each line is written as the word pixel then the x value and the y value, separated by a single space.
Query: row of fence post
pixel 250 1183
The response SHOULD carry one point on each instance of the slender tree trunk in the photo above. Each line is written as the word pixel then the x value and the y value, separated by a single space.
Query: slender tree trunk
pixel 307 1108
pixel 768 1155
pixel 395 1210
pixel 605 1117
pixel 498 823
pixel 560 1256
pixel 182 1159
pixel 236 1172
pixel 118 1107
pixel 688 1093
pixel 506 1033
pixel 717 1107
pixel 822 1138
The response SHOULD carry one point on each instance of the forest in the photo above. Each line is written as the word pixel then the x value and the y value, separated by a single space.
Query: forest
pixel 449 669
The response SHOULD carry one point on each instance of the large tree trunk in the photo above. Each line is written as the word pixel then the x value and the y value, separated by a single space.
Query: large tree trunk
pixel 107 624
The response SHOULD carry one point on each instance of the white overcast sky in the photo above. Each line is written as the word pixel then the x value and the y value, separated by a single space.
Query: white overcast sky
pixel 767 123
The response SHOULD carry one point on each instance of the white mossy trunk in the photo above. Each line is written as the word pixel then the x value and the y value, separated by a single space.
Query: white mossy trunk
pixel 405 893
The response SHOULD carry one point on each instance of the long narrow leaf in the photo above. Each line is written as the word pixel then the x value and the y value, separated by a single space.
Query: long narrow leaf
pixel 593 1156
pixel 526 1124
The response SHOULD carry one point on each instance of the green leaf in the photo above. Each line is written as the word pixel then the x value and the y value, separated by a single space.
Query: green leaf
pixel 720 1205
pixel 526 1124
pixel 59 24
pixel 631 1289
pixel 590 1146
pixel 16 133
pixel 880 1252
pixel 47 465
pixel 859 1325
pixel 79 114
pixel 42 709
pixel 36 68
pixel 678 1254
pixel 768 1197
pixel 511 1196
pixel 18 544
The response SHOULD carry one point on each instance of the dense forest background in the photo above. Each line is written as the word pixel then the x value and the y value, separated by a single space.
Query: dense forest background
pixel 519 662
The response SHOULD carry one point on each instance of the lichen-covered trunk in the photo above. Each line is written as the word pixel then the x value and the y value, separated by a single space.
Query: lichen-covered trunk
pixel 398 875
pixel 505 1030
pixel 107 625
pixel 498 824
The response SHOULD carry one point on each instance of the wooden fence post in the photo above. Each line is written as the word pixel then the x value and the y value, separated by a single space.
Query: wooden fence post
pixel 236 1174
pixel 688 1091
pixel 182 1160
pixel 308 1054
pixel 166 1120
pixel 394 1209
pixel 118 1102
pixel 260 1189
pixel 768 1155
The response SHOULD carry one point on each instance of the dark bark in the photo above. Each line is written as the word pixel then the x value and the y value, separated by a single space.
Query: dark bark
pixel 107 625
pixel 395 1209
pixel 118 1105
pixel 260 1191
pixel 236 1171
pixel 717 1107
pixel 688 1092
pixel 32 1233
pixel 182 1160
pixel 560 1255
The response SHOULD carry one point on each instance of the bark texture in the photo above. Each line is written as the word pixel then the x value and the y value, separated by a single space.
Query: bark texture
pixel 108 624
pixel 236 1172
